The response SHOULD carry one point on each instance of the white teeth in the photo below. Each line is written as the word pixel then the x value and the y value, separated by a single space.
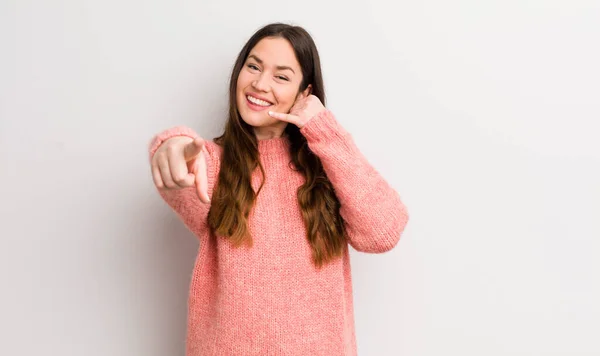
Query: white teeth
pixel 258 101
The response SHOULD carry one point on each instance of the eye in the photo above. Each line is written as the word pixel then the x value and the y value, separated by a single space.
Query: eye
pixel 283 78
pixel 252 66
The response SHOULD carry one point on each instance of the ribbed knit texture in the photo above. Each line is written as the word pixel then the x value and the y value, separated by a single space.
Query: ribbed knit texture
pixel 270 299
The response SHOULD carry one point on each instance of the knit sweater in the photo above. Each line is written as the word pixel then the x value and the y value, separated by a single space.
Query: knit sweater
pixel 270 299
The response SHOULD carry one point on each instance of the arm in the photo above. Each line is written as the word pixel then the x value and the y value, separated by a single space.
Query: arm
pixel 185 202
pixel 373 212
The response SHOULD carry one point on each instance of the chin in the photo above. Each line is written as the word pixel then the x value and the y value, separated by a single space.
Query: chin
pixel 256 119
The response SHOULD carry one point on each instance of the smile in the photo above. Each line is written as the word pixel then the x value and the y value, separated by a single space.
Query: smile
pixel 258 102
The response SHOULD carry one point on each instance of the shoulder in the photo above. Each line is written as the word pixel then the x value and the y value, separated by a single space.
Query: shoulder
pixel 214 151
pixel 213 148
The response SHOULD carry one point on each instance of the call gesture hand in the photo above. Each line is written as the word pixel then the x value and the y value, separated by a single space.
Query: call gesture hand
pixel 302 111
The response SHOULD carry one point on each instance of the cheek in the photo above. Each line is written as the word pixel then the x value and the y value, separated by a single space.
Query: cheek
pixel 239 96
pixel 286 97
pixel 242 82
pixel 239 87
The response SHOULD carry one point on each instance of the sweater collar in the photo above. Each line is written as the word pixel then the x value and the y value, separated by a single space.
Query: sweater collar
pixel 274 146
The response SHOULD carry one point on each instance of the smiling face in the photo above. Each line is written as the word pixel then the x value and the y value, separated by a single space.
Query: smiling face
pixel 269 81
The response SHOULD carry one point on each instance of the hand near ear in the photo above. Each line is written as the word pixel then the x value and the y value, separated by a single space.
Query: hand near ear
pixel 303 110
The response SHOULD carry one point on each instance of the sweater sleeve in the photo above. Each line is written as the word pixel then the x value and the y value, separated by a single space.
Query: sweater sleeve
pixel 373 212
pixel 185 202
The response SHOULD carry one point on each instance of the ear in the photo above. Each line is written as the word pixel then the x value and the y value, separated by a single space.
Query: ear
pixel 306 92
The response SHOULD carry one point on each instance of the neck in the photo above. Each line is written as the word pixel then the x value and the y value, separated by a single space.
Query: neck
pixel 270 132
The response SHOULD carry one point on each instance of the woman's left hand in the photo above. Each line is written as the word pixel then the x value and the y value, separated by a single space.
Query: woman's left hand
pixel 303 110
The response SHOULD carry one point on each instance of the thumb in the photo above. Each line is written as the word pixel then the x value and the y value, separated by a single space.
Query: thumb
pixel 201 179
pixel 192 149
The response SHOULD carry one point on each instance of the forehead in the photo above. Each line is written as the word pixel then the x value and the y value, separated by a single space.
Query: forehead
pixel 275 52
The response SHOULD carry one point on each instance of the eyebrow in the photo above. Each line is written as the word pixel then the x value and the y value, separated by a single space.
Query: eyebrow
pixel 278 67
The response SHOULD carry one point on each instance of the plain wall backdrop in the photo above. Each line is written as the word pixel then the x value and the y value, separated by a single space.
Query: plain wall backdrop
pixel 483 115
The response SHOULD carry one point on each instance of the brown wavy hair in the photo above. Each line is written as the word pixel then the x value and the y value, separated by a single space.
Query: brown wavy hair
pixel 233 195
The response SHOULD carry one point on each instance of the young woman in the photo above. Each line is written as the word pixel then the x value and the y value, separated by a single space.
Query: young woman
pixel 275 201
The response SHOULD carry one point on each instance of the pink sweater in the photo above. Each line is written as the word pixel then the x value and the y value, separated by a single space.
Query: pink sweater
pixel 270 299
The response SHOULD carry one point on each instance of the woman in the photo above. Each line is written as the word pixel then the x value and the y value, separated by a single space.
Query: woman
pixel 275 201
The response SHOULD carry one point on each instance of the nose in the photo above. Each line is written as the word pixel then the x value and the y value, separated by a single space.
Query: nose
pixel 261 83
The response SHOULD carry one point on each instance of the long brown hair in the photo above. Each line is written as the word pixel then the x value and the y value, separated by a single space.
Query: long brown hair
pixel 233 195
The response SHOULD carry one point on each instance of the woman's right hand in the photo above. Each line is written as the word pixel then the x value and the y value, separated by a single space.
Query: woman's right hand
pixel 180 163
